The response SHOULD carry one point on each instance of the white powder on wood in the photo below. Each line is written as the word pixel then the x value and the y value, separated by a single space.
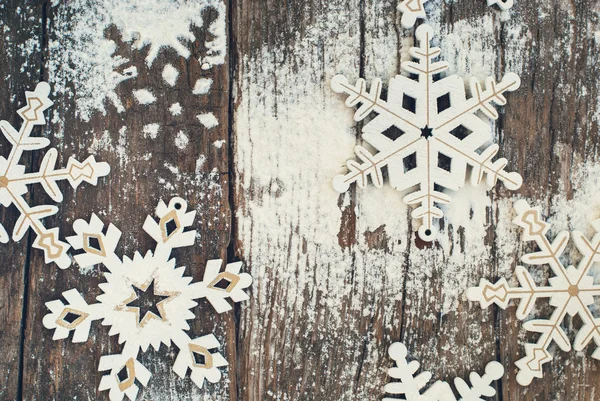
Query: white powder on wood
pixel 175 109
pixel 202 86
pixel 208 120
pixel 144 96
pixel 170 74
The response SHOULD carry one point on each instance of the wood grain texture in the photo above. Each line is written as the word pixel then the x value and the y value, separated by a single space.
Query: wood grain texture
pixel 18 75
pixel 336 282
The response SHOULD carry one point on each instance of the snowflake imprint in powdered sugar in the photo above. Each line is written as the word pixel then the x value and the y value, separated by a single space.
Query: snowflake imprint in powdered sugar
pixel 410 384
pixel 147 301
pixel 415 9
pixel 427 133
pixel 14 179
pixel 570 291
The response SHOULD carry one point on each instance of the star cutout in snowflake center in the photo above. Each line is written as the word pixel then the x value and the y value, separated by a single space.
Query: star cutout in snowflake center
pixel 147 303
pixel 426 132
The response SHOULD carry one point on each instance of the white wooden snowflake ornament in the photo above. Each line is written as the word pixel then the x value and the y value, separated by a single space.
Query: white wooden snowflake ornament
pixel 14 180
pixel 147 300
pixel 415 9
pixel 411 384
pixel 570 291
pixel 427 133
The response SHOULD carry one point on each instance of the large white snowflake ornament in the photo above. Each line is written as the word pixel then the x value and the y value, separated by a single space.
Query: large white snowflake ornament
pixel 427 133
pixel 415 9
pixel 14 180
pixel 411 385
pixel 570 290
pixel 147 300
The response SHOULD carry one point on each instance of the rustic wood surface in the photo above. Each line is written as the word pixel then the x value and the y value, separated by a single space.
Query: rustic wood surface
pixel 316 328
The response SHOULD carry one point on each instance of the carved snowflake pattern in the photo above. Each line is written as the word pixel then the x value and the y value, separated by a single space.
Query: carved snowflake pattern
pixel 147 300
pixel 415 9
pixel 427 133
pixel 570 291
pixel 14 180
pixel 410 384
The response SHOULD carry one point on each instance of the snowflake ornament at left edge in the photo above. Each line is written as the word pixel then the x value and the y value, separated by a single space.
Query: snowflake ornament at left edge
pixel 14 180
pixel 427 133
pixel 147 300
pixel 415 9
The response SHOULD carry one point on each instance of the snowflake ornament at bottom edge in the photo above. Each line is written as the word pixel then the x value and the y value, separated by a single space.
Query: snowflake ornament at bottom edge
pixel 415 9
pixel 147 300
pixel 570 291
pixel 427 133
pixel 411 384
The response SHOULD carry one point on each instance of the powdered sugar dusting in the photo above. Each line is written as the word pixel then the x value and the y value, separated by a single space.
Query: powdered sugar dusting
pixel 144 96
pixel 208 120
pixel 83 63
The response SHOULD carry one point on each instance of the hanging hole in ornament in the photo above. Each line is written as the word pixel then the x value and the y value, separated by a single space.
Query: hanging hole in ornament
pixel 177 206
pixel 443 102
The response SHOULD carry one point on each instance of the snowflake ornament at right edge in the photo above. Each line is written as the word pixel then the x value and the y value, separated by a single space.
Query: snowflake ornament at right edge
pixel 147 300
pixel 415 9
pixel 410 384
pixel 570 290
pixel 427 133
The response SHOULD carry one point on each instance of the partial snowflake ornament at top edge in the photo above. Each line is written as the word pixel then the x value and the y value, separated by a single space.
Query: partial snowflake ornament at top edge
pixel 570 291
pixel 14 180
pixel 147 300
pixel 427 133
pixel 415 9
pixel 411 385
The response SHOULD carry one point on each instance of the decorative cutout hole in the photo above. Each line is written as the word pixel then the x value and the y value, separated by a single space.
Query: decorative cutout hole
pixel 461 132
pixel 393 133
pixel 444 162
pixel 70 317
pixel 223 284
pixel 409 103
pixel 123 374
pixel 171 227
pixel 94 243
pixel 443 102
pixel 410 162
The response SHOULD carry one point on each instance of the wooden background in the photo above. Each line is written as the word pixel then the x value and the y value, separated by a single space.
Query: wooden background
pixel 317 328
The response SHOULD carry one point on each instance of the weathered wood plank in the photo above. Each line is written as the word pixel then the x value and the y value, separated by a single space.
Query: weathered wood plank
pixel 553 120
pixel 20 46
pixel 305 335
pixel 144 171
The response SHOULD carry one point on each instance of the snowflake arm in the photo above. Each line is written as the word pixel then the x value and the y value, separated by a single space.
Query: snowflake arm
pixel 441 133
pixel 570 291
pixel 411 386
pixel 14 180
pixel 147 300
pixel 503 4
